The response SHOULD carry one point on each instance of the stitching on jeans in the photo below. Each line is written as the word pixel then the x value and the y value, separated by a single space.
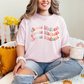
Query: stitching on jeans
pixel 51 76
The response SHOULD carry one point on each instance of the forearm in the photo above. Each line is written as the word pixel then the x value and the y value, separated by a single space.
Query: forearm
pixel 66 49
pixel 20 50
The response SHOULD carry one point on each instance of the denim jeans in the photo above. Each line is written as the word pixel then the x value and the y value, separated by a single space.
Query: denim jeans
pixel 55 70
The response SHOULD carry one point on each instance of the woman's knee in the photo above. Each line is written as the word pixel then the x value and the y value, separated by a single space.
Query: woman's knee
pixel 24 76
pixel 25 71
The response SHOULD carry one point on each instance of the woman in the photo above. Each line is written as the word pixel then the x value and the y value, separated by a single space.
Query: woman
pixel 41 37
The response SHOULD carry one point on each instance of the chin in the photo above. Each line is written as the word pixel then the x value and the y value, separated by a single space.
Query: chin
pixel 46 9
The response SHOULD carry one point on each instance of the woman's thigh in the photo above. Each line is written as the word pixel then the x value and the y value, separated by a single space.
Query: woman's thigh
pixel 34 66
pixel 65 70
pixel 53 65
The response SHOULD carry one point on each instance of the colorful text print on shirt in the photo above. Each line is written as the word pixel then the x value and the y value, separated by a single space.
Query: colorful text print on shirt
pixel 44 32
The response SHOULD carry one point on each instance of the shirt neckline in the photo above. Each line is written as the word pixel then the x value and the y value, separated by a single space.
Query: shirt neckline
pixel 44 17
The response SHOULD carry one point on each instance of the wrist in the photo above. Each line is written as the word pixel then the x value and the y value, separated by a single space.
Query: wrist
pixel 20 58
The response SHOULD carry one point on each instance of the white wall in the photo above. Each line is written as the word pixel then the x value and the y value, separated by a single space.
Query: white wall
pixel 73 13
pixel 13 8
pixel 71 10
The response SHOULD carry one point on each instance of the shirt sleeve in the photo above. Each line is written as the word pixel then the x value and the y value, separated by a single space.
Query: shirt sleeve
pixel 64 35
pixel 20 39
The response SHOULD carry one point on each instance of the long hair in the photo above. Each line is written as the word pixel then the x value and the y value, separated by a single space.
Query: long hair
pixel 32 8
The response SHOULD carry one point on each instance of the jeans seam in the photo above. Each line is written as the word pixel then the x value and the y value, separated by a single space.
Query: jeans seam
pixel 51 76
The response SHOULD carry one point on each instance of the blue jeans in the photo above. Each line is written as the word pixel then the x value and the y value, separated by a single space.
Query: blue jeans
pixel 55 70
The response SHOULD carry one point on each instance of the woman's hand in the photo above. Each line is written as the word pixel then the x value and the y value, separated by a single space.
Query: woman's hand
pixel 66 50
pixel 20 64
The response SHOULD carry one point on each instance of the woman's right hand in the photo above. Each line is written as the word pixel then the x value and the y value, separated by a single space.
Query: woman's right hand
pixel 19 64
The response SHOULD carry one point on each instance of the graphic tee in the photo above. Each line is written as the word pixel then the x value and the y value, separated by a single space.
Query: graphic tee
pixel 43 37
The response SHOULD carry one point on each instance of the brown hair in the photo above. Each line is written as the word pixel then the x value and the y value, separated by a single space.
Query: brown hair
pixel 32 8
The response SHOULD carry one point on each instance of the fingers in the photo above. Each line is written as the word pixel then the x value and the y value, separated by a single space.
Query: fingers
pixel 16 68
pixel 22 65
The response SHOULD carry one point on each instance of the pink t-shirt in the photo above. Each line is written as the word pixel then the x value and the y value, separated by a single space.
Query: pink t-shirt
pixel 43 37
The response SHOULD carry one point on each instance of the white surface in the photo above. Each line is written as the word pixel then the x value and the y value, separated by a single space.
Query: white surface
pixel 73 13
pixel 7 79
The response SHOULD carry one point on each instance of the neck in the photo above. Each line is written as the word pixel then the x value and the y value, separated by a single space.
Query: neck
pixel 44 13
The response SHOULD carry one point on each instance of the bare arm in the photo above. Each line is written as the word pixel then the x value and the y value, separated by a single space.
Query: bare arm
pixel 66 49
pixel 20 50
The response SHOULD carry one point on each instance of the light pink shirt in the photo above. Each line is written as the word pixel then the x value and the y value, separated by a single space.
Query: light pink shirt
pixel 43 37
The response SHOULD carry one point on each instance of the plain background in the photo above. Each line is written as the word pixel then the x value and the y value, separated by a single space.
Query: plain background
pixel 71 10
